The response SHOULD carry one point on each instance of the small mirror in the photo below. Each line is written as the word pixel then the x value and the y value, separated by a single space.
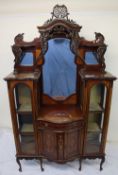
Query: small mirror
pixel 59 69
pixel 27 59
pixel 91 58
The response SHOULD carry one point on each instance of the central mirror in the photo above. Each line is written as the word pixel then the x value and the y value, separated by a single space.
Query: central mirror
pixel 59 69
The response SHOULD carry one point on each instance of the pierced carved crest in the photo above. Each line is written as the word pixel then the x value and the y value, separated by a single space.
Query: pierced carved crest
pixel 60 11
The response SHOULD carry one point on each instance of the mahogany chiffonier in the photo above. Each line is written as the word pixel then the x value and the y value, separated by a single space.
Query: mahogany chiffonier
pixel 60 93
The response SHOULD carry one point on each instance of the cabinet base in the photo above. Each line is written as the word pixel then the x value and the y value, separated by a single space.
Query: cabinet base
pixel 29 158
pixel 80 161
pixel 92 157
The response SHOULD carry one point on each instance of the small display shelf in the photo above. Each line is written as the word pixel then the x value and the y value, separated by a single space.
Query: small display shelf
pixel 28 144
pixel 92 148
pixel 93 127
pixel 27 128
pixel 96 108
pixel 25 108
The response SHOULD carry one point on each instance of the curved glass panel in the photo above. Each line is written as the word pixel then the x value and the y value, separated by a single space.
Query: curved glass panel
pixel 23 104
pixel 91 58
pixel 95 118
pixel 59 69
pixel 27 59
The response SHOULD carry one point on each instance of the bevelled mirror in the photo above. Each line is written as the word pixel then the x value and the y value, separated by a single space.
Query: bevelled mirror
pixel 59 69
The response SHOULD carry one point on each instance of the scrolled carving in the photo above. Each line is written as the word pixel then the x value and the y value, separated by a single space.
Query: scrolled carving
pixel 19 38
pixel 100 54
pixel 44 43
pixel 60 11
pixel 17 51
pixel 59 30
pixel 99 38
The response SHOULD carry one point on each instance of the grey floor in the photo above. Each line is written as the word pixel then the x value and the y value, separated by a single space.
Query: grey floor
pixel 8 165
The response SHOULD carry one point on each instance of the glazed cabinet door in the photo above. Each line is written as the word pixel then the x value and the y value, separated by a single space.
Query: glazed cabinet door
pixel 22 118
pixel 96 119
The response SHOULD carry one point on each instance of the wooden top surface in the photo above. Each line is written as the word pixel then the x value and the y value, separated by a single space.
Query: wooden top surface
pixel 23 76
pixel 60 114
pixel 98 75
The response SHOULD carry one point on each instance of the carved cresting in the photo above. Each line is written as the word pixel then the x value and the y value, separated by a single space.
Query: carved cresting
pixel 60 11
pixel 59 25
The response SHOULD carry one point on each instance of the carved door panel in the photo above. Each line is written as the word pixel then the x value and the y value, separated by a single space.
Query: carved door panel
pixel 72 144
pixel 49 143
pixel 59 145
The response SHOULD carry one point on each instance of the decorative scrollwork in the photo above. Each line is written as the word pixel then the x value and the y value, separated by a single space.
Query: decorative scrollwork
pixel 17 51
pixel 60 11
pixel 100 54
pixel 19 38
pixel 61 26
pixel 59 29
pixel 99 38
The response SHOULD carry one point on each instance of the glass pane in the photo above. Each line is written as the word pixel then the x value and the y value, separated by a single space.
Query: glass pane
pixel 91 58
pixel 25 123
pixel 59 70
pixel 93 132
pixel 24 116
pixel 27 144
pixel 27 59
pixel 23 98
pixel 97 98
pixel 95 118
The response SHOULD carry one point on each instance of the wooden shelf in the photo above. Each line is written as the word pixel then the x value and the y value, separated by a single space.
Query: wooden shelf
pixel 24 109
pixel 92 148
pixel 93 127
pixel 60 114
pixel 96 108
pixel 27 129
pixel 28 144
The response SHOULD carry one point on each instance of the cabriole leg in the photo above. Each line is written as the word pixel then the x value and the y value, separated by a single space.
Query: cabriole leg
pixel 18 161
pixel 80 164
pixel 101 163
pixel 41 164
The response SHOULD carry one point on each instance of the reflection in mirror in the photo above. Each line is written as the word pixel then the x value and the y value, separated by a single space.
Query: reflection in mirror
pixel 91 58
pixel 27 59
pixel 59 69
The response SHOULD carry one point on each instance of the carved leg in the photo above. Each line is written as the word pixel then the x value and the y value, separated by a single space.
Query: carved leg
pixel 41 164
pixel 80 164
pixel 101 163
pixel 18 161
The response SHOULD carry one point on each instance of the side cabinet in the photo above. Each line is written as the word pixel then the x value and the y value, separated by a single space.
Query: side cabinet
pixel 97 92
pixel 23 112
